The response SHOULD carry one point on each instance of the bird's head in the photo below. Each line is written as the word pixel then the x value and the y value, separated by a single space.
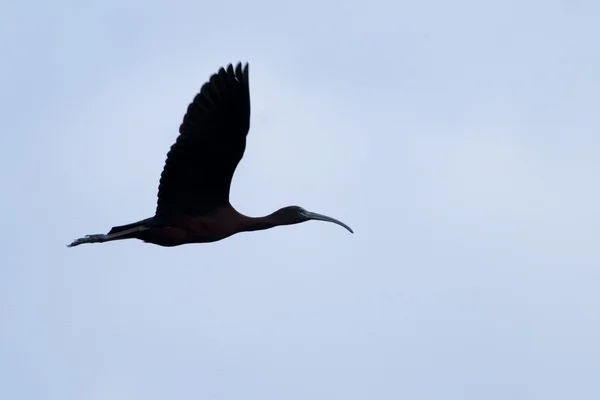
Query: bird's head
pixel 295 215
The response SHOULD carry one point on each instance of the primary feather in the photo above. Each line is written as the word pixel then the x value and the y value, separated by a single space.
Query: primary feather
pixel 200 165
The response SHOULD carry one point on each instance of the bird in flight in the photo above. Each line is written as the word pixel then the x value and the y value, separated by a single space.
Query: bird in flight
pixel 193 193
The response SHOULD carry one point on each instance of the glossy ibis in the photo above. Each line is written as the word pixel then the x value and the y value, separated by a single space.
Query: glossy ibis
pixel 193 193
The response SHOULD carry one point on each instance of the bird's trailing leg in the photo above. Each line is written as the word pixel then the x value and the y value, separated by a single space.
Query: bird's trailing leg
pixel 100 238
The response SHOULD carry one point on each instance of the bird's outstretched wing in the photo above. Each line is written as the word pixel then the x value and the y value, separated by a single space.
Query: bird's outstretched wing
pixel 200 165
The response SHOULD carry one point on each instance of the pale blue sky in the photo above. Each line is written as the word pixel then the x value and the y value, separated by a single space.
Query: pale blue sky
pixel 459 140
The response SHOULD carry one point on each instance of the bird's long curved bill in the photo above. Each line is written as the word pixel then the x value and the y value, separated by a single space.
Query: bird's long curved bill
pixel 321 217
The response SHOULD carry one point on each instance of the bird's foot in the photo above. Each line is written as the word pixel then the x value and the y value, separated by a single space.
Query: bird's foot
pixel 89 239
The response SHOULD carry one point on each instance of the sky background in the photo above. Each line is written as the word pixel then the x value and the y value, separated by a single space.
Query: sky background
pixel 459 140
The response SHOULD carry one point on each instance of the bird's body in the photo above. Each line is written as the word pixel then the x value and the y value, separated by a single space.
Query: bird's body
pixel 219 224
pixel 193 196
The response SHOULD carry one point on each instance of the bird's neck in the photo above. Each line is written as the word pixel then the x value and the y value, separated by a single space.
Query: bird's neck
pixel 261 223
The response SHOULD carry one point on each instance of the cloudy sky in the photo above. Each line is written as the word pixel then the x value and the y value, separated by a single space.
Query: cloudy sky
pixel 459 140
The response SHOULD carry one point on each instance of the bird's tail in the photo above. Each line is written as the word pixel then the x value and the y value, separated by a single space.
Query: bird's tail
pixel 116 233
pixel 144 222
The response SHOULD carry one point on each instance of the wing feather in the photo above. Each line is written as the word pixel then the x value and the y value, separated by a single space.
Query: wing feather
pixel 200 164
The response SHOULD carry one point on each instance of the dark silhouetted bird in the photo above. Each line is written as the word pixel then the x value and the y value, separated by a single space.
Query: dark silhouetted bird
pixel 193 194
